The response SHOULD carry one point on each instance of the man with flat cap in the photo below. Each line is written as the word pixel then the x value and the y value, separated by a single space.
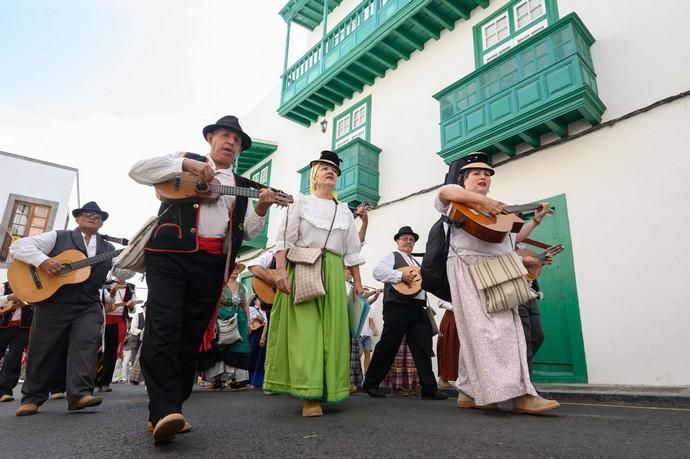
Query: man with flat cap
pixel 74 313
pixel 402 317
pixel 188 259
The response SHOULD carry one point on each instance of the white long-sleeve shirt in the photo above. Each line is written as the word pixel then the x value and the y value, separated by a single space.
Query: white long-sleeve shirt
pixel 308 221
pixel 213 217
pixel 134 328
pixel 384 271
pixel 34 250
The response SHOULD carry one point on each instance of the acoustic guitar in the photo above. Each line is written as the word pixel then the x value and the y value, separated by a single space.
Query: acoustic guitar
pixel 32 285
pixel 490 228
pixel 534 271
pixel 110 307
pixel 406 290
pixel 265 291
pixel 13 303
pixel 187 187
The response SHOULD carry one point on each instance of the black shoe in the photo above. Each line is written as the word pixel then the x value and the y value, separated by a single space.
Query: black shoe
pixel 438 395
pixel 375 392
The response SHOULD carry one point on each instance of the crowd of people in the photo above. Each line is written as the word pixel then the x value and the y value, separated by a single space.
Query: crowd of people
pixel 201 324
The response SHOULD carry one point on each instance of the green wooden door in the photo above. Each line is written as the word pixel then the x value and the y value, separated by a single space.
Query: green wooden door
pixel 561 359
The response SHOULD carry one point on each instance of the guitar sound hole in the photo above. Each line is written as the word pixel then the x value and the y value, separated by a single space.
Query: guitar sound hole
pixel 202 187
pixel 65 271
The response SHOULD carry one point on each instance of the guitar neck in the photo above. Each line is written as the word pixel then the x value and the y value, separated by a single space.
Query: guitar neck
pixel 93 260
pixel 234 190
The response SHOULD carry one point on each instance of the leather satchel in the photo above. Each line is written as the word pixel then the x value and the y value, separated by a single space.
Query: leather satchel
pixel 308 262
pixel 229 330
pixel 504 282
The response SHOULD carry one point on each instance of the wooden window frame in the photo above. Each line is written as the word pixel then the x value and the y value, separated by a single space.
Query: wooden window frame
pixel 13 201
pixel 362 131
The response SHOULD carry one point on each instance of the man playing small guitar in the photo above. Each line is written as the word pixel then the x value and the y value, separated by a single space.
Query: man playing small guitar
pixel 188 258
pixel 403 317
pixel 15 322
pixel 74 311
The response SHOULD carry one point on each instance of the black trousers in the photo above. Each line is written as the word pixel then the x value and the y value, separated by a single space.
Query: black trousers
pixel 106 366
pixel 183 292
pixel 16 338
pixel 59 383
pixel 534 333
pixel 81 323
pixel 411 321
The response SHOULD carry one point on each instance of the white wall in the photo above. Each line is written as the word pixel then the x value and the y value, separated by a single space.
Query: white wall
pixel 625 185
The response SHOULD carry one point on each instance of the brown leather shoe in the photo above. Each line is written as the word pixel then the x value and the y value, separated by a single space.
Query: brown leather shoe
pixel 465 401
pixel 6 398
pixel 27 409
pixel 57 395
pixel 187 427
pixel 167 427
pixel 531 404
pixel 312 408
pixel 85 402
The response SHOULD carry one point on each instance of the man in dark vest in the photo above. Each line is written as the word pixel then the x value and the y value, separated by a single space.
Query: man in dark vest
pixel 73 312
pixel 188 259
pixel 14 336
pixel 402 316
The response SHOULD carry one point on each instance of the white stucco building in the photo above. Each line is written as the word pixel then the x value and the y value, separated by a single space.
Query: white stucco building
pixel 584 104
pixel 35 196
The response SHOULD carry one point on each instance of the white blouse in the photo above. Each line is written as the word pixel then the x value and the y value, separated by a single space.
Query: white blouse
pixel 308 220
pixel 463 243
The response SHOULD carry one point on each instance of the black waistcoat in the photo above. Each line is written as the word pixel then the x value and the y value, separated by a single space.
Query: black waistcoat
pixel 389 293
pixel 88 291
pixel 178 228
pixel 25 322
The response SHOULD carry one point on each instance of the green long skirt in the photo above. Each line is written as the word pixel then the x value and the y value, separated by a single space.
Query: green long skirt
pixel 308 353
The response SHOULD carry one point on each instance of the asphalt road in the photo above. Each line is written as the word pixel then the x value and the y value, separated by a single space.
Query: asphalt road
pixel 250 424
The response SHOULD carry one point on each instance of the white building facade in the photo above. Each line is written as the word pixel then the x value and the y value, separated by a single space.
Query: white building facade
pixel 584 104
pixel 35 196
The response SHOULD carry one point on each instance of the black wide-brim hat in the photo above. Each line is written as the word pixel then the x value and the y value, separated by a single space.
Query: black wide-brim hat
pixel 477 160
pixel 328 157
pixel 229 122
pixel 90 206
pixel 406 230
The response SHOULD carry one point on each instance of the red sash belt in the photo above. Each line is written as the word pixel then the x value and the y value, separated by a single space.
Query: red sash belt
pixel 212 245
pixel 15 323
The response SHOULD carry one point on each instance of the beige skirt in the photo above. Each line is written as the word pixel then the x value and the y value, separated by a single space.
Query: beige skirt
pixel 493 358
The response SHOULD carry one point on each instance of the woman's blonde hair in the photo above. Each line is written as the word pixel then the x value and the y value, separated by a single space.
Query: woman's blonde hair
pixel 312 181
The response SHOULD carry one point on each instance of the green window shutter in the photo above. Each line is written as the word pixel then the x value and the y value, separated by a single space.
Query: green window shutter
pixel 261 175
pixel 353 123
pixel 510 26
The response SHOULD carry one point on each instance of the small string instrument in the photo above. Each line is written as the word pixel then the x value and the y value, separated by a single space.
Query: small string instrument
pixel 265 291
pixel 490 228
pixel 534 271
pixel 187 187
pixel 412 290
pixel 13 303
pixel 110 307
pixel 32 285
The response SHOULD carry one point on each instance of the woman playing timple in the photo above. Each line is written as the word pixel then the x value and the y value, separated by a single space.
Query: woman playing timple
pixel 493 363
pixel 308 343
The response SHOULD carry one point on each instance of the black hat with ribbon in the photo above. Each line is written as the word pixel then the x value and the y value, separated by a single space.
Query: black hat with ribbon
pixel 477 160
pixel 92 207
pixel 229 122
pixel 406 230
pixel 328 157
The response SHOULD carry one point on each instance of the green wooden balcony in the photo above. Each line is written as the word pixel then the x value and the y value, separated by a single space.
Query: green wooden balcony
pixel 372 39
pixel 259 151
pixel 307 13
pixel 540 86
pixel 359 178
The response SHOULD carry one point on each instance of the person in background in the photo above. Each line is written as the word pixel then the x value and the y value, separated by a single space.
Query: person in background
pixel 447 347
pixel 14 337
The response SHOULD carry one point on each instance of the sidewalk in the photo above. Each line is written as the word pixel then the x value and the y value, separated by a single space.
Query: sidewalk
pixel 660 396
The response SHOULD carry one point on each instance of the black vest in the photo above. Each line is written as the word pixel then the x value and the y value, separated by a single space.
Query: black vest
pixel 27 316
pixel 88 291
pixel 178 228
pixel 389 293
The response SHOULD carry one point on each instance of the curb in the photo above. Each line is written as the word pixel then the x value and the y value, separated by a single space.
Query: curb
pixel 619 398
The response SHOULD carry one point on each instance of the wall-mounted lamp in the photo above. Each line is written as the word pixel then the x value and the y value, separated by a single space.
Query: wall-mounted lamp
pixel 324 125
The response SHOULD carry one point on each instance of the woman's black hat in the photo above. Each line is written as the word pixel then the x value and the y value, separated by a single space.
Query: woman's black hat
pixel 406 230
pixel 229 122
pixel 90 206
pixel 328 157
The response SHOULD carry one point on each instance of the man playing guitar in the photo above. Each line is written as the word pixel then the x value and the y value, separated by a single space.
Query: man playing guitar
pixel 14 336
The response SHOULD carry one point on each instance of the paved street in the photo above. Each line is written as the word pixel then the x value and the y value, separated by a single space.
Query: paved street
pixel 250 424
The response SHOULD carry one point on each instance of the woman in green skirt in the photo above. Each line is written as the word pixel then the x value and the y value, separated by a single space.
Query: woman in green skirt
pixel 308 354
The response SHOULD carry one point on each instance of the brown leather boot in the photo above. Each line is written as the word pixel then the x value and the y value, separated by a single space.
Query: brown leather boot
pixel 465 401
pixel 531 404
pixel 187 427
pixel 85 402
pixel 27 409
pixel 312 408
pixel 167 427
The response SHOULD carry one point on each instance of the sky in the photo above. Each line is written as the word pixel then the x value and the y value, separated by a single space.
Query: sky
pixel 100 84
